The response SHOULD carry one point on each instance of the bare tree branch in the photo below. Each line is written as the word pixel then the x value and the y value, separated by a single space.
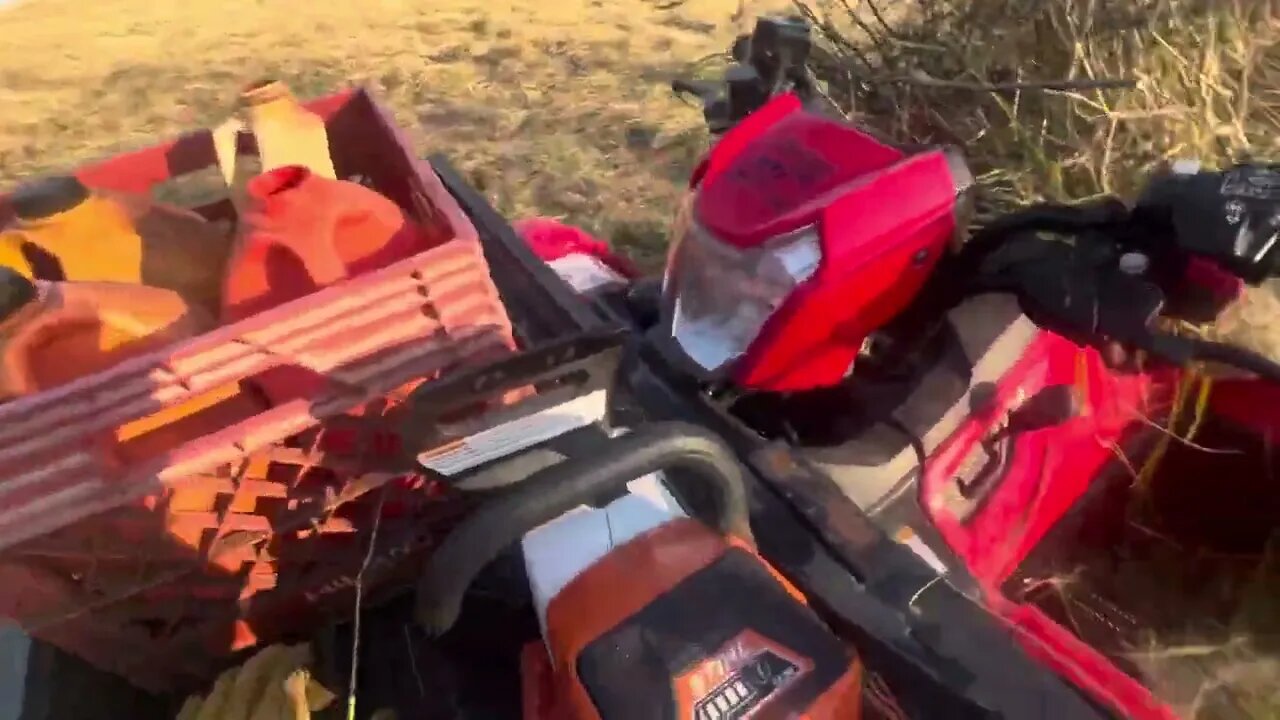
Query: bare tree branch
pixel 921 80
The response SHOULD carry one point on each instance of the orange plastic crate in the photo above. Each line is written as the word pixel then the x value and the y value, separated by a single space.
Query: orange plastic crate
pixel 157 563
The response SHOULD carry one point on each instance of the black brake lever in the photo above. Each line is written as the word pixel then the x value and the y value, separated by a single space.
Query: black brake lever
pixel 701 89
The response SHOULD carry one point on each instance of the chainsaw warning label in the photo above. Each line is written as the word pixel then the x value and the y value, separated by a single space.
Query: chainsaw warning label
pixel 746 688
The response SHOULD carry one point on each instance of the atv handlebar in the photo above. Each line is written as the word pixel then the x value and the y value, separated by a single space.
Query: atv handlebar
pixel 1119 269
pixel 769 61
pixel 555 490
pixel 1127 267
pixel 698 88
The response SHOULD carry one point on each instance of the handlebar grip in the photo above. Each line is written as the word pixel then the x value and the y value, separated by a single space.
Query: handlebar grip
pixel 553 491
pixel 701 89
pixel 685 86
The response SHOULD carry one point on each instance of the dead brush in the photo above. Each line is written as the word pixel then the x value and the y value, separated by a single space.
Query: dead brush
pixel 1064 100
pixel 1069 100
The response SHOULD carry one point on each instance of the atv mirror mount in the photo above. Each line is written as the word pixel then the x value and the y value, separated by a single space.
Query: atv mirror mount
pixel 779 47
pixel 1051 406
pixel 769 61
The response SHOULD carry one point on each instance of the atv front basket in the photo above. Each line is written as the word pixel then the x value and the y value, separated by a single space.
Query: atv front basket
pixel 158 558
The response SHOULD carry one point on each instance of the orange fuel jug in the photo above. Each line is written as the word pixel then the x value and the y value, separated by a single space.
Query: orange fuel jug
pixel 52 333
pixel 65 231
pixel 302 232
pixel 286 133
pixel 11 257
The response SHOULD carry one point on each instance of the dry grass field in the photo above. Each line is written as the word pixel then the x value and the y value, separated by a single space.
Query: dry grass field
pixel 560 107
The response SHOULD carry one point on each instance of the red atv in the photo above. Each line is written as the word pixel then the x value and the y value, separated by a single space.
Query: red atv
pixel 987 401
pixel 931 422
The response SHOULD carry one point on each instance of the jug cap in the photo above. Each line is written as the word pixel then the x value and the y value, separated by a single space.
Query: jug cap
pixel 278 181
pixel 48 196
pixel 16 292
pixel 265 91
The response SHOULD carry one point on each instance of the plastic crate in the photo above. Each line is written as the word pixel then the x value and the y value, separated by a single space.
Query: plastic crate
pixel 157 566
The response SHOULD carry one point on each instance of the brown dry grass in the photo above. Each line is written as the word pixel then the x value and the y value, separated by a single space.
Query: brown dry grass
pixel 1205 73
pixel 559 108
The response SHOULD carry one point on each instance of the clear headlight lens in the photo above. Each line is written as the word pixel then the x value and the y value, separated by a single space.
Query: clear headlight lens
pixel 720 296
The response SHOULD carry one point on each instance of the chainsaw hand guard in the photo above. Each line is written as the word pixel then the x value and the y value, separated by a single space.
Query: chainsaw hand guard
pixel 553 491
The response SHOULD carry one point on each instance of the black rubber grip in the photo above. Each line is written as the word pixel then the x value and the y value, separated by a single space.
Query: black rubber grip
pixel 553 491
pixel 686 86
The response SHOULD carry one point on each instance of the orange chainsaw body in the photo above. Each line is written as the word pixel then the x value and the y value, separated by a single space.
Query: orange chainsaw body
pixel 681 622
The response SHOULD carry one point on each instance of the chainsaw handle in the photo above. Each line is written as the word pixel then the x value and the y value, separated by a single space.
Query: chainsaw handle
pixel 552 491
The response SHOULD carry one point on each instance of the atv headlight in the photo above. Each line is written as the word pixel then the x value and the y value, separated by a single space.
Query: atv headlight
pixel 718 296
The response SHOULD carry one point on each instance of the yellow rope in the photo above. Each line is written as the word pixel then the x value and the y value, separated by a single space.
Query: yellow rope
pixel 1183 392
pixel 1202 405
pixel 1157 454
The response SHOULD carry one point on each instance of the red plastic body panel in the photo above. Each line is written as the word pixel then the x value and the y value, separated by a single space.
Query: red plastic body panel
pixel 1062 652
pixel 1050 471
pixel 779 169
pixel 1248 403
pixel 1050 468
pixel 883 219
pixel 881 239
pixel 552 240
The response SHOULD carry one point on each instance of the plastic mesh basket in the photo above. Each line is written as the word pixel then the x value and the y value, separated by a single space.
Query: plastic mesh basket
pixel 156 557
